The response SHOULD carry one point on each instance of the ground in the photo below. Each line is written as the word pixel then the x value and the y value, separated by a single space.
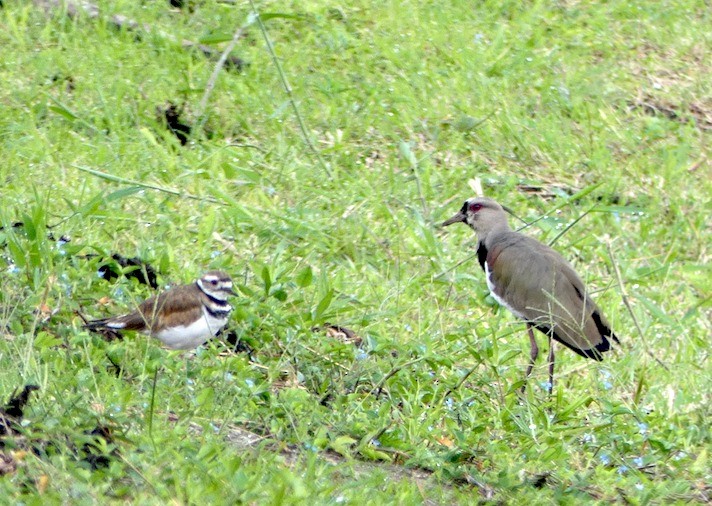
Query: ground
pixel 372 365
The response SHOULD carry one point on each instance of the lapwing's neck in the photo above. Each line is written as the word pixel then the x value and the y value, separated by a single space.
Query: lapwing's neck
pixel 487 236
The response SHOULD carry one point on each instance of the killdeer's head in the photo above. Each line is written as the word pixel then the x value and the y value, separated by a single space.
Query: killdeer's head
pixel 216 284
pixel 481 214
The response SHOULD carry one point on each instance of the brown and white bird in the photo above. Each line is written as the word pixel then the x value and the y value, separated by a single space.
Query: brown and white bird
pixel 536 284
pixel 183 317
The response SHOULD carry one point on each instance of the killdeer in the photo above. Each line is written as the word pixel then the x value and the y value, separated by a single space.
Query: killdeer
pixel 183 317
pixel 536 284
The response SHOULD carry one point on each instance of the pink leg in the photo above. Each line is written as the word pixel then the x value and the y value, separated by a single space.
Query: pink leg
pixel 534 353
pixel 551 365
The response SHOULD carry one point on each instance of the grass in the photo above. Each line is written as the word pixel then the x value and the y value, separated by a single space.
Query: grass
pixel 567 107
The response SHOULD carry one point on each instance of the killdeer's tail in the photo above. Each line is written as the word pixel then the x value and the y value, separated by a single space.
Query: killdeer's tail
pixel 105 324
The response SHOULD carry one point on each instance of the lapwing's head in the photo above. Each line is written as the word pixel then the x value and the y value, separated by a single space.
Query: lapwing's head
pixel 481 214
pixel 216 284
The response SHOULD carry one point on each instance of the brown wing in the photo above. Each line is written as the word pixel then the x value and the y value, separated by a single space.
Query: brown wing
pixel 174 307
pixel 542 288
pixel 596 329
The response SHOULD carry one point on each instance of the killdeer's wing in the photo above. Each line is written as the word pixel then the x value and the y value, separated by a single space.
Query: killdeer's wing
pixel 149 313
pixel 179 306
pixel 139 320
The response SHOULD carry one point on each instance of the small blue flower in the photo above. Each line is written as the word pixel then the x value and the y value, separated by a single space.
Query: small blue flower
pixel 361 355
pixel 605 459
pixel 638 461
pixel 622 469
pixel 607 385
pixel 375 442
pixel 13 269
pixel 639 486
pixel 249 382
pixel 214 254
pixel 643 428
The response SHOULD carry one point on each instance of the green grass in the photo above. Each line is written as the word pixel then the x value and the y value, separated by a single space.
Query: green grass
pixel 405 102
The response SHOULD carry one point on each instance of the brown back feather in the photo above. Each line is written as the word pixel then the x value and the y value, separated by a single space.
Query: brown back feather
pixel 179 309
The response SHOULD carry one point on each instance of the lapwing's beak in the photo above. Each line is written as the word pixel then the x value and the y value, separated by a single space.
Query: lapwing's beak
pixel 459 217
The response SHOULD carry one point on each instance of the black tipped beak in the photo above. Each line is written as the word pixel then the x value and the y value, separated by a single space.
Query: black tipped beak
pixel 459 217
pixel 232 291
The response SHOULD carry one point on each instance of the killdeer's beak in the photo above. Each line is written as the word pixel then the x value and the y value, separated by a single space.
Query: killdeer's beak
pixel 232 291
pixel 459 217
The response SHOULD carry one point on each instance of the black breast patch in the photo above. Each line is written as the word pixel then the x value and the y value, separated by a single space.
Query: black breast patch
pixel 481 254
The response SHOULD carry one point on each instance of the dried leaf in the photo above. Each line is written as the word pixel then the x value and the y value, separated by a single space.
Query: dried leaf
pixel 8 464
pixel 343 334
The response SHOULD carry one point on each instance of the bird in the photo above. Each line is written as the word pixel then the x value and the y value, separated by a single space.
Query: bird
pixel 183 317
pixel 536 284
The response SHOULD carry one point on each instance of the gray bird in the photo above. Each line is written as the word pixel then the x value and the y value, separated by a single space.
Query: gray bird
pixel 536 284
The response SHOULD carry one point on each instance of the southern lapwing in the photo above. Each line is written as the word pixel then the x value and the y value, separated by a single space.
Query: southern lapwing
pixel 183 317
pixel 536 284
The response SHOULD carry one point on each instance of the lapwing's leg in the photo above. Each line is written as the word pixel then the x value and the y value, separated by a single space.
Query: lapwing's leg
pixel 551 365
pixel 534 353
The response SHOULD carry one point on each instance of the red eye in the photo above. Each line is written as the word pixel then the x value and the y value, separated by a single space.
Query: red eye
pixel 475 207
